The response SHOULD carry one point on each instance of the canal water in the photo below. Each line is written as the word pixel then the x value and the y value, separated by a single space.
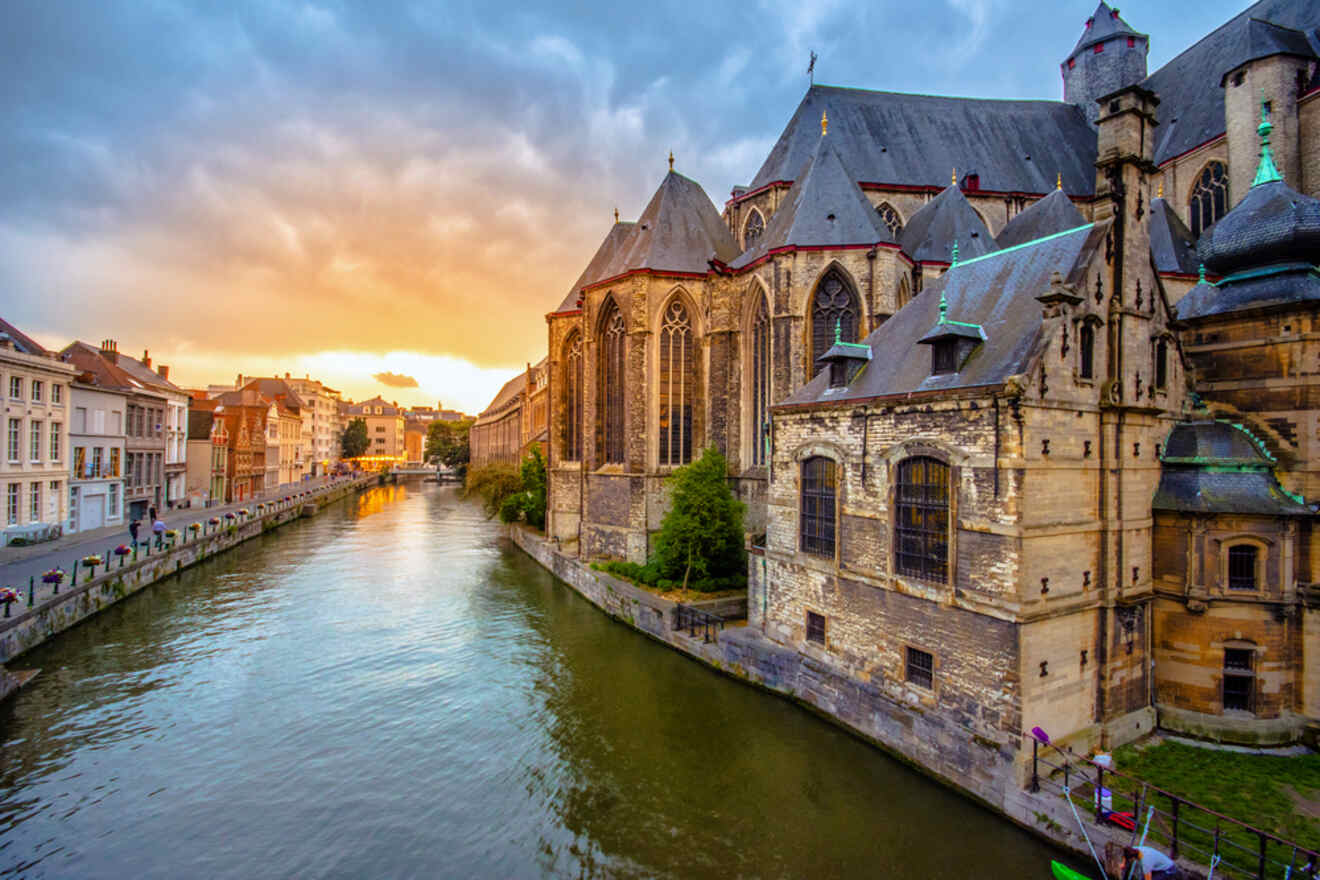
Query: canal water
pixel 392 690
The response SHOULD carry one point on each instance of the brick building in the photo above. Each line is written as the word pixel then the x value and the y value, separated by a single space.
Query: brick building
pixel 516 419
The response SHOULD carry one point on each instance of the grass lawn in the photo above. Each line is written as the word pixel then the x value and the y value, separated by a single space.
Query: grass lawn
pixel 1276 794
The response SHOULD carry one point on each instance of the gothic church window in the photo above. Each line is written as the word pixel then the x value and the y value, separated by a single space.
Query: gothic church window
pixel 921 531
pixel 834 303
pixel 890 218
pixel 753 228
pixel 760 370
pixel 1087 354
pixel 573 398
pixel 819 492
pixel 1209 199
pixel 678 385
pixel 613 349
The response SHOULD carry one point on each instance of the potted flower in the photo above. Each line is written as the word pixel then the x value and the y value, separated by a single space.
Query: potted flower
pixel 215 521
pixel 92 562
pixel 54 576
pixel 7 597
pixel 121 551
pixel 243 511
pixel 229 515
pixel 172 534
pixel 261 507
pixel 195 528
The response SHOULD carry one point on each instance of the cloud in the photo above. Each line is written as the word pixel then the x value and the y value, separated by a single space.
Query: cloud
pixel 395 380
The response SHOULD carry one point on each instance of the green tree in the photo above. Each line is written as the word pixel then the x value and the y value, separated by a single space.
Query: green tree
pixel 447 443
pixel 529 504
pixel 702 535
pixel 493 483
pixel 355 441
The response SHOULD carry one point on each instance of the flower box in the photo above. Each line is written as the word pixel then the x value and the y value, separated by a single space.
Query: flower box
pixel 54 576
pixel 215 520
pixel 123 550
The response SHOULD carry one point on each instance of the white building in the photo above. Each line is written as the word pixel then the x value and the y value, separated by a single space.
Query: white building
pixel 321 424
pixel 96 441
pixel 34 468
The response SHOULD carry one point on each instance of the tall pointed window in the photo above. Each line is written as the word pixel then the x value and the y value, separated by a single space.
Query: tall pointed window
pixel 1161 363
pixel 573 397
pixel 1087 354
pixel 890 218
pixel 921 533
pixel 1209 199
pixel 753 228
pixel 760 375
pixel 834 303
pixel 678 385
pixel 613 350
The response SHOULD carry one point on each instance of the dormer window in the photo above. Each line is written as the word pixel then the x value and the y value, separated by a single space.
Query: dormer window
pixel 951 342
pixel 972 183
pixel 944 357
pixel 838 374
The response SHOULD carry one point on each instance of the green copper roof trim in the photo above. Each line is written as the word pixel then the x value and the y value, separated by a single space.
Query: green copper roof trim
pixel 1025 244
pixel 1268 270
pixel 944 313
pixel 1267 172
pixel 861 345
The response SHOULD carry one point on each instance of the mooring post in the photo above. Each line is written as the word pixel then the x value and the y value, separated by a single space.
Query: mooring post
pixel 74 583
pixel 32 588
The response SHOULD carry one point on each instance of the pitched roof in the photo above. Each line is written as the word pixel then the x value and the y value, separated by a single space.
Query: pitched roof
pixel 931 232
pixel 1054 213
pixel 890 137
pixel 1217 467
pixel 276 389
pixel 387 408
pixel 242 397
pixel 604 264
pixel 505 396
pixel 21 341
pixel 1263 39
pixel 997 292
pixel 825 206
pixel 1105 24
pixel 1272 224
pixel 144 374
pixel 680 231
pixel 1191 101
pixel 88 359
pixel 1172 246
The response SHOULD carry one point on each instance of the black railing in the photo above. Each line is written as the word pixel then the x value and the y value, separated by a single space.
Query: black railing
pixel 1180 827
pixel 697 622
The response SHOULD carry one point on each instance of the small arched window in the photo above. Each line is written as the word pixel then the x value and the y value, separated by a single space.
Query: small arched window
pixel 1086 369
pixel 613 350
pixel 573 397
pixel 921 525
pixel 819 497
pixel 1161 363
pixel 890 218
pixel 678 385
pixel 760 374
pixel 1242 567
pixel 753 228
pixel 834 303
pixel 1209 199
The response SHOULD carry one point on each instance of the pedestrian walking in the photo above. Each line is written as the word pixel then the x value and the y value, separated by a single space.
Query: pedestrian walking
pixel 152 513
pixel 159 528
pixel 133 530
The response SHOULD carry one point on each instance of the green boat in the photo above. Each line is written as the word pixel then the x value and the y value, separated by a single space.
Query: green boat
pixel 1063 872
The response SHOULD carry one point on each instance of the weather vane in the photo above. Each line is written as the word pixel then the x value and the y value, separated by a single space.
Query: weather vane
pixel 811 69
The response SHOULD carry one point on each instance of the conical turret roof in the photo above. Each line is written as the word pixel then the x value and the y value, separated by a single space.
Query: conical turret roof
pixel 824 207
pixel 1104 24
pixel 680 231
pixel 605 264
pixel 931 232
pixel 1054 213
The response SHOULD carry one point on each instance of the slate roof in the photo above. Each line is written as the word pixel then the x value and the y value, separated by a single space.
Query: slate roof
pixel 511 389
pixel 145 374
pixel 680 231
pixel 997 291
pixel 1054 213
pixel 1217 467
pixel 1105 24
pixel 1172 246
pixel 1263 39
pixel 21 341
pixel 825 206
pixel 931 231
pixel 1272 224
pixel 1293 283
pixel 890 137
pixel 1191 108
pixel 603 265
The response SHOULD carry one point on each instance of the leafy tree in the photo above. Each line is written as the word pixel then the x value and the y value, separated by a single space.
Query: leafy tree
pixel 529 504
pixel 702 535
pixel 493 483
pixel 447 443
pixel 355 441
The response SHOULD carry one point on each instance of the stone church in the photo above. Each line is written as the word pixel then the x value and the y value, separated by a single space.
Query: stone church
pixel 1017 393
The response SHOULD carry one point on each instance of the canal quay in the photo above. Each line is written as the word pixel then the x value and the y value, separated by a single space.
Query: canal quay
pixel 393 689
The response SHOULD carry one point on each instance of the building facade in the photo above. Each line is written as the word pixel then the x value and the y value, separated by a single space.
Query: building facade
pixel 516 419
pixel 385 430
pixel 170 423
pixel 321 427
pixel 208 455
pixel 96 441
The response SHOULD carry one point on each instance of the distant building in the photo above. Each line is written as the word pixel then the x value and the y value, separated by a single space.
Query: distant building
pixel 173 422
pixel 96 440
pixel 321 426
pixel 243 414
pixel 208 454
pixel 385 429
pixel 514 420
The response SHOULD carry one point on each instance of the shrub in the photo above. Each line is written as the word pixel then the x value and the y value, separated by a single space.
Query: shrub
pixel 702 535
pixel 493 483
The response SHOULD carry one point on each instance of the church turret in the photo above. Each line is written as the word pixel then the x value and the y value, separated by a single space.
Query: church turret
pixel 1109 56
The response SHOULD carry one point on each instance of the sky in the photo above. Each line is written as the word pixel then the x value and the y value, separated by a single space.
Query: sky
pixel 390 196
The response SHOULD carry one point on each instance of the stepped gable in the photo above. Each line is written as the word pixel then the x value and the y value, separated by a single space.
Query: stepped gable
pixel 825 206
pixel 1054 213
pixel 895 138
pixel 1172 247
pixel 1191 108
pixel 931 232
pixel 997 292
pixel 1217 467
pixel 601 266
pixel 680 231
pixel 1104 24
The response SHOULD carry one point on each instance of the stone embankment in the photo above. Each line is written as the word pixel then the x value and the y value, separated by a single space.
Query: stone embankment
pixel 27 627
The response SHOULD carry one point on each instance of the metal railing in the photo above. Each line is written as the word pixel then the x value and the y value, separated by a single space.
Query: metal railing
pixel 1180 827
pixel 696 622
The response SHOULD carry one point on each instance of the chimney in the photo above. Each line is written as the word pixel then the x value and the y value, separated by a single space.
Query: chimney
pixel 110 350
pixel 163 371
pixel 146 359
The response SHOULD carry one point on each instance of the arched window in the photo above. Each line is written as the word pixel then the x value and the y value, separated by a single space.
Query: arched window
pixel 819 494
pixel 613 345
pixel 1242 567
pixel 1209 199
pixel 760 374
pixel 834 303
pixel 1161 363
pixel 904 293
pixel 921 522
pixel 753 228
pixel 890 218
pixel 678 384
pixel 573 397
pixel 1087 353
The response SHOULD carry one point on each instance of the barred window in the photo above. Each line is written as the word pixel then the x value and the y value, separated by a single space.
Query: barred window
pixel 921 532
pixel 1209 199
pixel 1242 567
pixel 890 218
pixel 834 303
pixel 819 490
pixel 815 627
pixel 1087 354
pixel 573 397
pixel 753 229
pixel 678 385
pixel 920 668
pixel 1239 679
pixel 612 364
pixel 760 371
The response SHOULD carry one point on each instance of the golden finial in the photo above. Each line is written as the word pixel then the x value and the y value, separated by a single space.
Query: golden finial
pixel 954 182
pixel 1160 194
pixel 616 215
pixel 824 124
pixel 1058 180
pixel 671 160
